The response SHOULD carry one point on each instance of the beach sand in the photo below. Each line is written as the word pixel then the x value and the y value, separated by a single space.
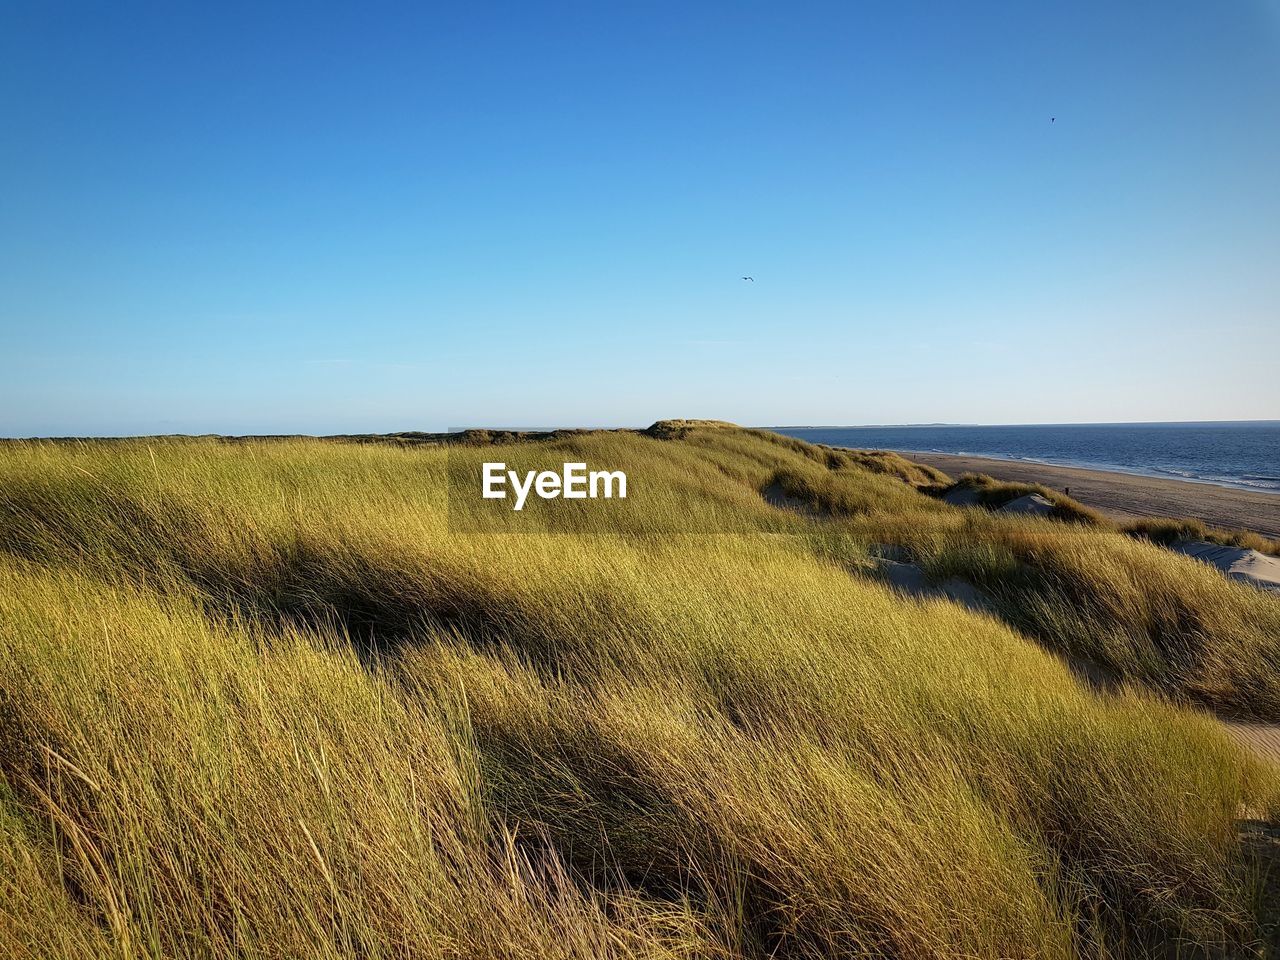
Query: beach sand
pixel 1123 496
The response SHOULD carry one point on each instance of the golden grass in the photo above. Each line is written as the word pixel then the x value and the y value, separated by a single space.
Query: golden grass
pixel 294 699
pixel 993 494
pixel 1168 532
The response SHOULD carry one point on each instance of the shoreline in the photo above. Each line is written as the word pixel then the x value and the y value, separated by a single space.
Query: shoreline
pixel 1095 468
pixel 1128 496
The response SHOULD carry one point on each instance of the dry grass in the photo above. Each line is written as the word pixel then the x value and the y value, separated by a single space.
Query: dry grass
pixel 1167 532
pixel 993 494
pixel 269 700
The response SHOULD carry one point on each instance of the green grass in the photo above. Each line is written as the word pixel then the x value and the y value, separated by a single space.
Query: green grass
pixel 303 699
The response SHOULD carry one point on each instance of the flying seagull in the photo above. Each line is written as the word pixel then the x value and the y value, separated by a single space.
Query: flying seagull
pixel 752 279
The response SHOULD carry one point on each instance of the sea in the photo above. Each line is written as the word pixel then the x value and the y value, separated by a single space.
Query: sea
pixel 1244 454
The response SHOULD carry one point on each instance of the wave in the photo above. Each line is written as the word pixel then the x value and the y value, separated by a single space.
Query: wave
pixel 1270 483
pixel 1247 481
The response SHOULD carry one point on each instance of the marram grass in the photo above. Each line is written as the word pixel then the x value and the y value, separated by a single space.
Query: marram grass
pixel 290 699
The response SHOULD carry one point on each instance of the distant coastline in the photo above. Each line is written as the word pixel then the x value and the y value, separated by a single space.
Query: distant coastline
pixel 924 455
pixel 984 426
pixel 1129 496
pixel 1239 454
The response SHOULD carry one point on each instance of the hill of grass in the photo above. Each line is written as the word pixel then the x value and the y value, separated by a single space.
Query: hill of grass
pixel 994 494
pixel 313 699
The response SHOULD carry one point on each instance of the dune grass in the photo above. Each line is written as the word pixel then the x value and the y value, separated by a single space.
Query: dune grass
pixel 994 494
pixel 298 699
pixel 1168 532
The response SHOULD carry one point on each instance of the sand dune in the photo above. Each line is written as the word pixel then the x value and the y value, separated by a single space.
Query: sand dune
pixel 1238 563
pixel 1123 496
pixel 1032 503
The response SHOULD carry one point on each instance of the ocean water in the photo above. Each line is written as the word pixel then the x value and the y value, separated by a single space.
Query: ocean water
pixel 1242 454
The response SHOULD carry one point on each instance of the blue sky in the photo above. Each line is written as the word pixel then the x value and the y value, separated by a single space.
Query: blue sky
pixel 331 218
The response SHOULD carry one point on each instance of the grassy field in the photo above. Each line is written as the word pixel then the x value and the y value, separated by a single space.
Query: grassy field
pixel 304 699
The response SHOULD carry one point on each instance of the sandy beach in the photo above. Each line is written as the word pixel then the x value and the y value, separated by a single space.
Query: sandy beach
pixel 1125 496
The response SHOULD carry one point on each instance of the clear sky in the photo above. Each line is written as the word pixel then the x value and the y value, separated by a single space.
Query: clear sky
pixel 364 217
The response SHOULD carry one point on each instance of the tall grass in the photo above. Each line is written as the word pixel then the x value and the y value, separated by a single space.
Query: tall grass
pixel 994 494
pixel 302 699
pixel 1169 532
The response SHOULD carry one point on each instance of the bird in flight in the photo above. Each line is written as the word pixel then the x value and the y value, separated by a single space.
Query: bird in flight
pixel 1053 119
pixel 752 279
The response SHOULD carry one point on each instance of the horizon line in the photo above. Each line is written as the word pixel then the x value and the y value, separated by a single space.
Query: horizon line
pixel 779 427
